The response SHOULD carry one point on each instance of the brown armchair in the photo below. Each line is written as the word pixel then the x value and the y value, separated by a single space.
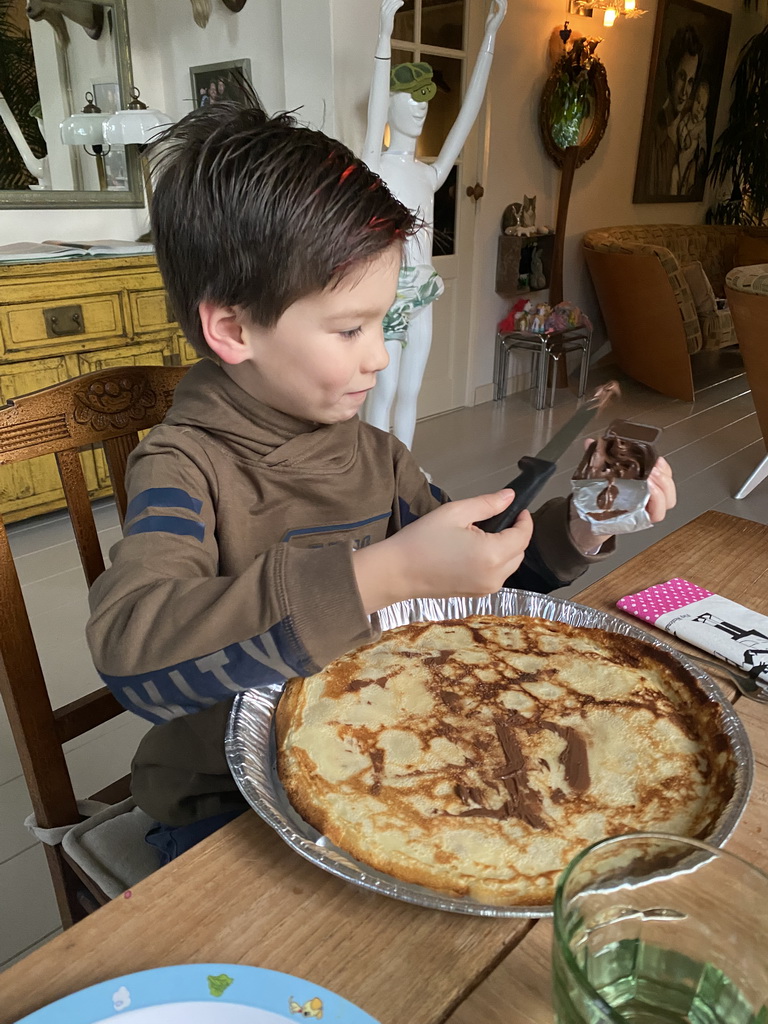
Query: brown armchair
pixel 647 302
pixel 746 289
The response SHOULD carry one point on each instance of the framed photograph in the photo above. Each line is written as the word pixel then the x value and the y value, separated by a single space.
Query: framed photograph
pixel 689 47
pixel 106 96
pixel 214 83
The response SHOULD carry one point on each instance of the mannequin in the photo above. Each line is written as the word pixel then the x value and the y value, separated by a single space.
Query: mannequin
pixel 400 97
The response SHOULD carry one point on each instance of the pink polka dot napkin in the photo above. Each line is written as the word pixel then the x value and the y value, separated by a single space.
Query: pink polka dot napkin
pixel 651 604
pixel 710 622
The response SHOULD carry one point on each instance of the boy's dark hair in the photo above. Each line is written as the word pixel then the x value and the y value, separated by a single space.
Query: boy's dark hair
pixel 258 212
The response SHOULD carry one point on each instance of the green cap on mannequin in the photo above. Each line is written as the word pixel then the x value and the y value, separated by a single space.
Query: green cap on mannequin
pixel 415 79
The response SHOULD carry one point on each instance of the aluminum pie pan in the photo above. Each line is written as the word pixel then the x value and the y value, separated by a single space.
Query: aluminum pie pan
pixel 252 758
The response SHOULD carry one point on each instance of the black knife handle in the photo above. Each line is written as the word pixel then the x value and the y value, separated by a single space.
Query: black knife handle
pixel 534 473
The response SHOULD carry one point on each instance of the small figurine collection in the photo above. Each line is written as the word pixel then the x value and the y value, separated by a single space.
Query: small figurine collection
pixel 520 219
pixel 541 318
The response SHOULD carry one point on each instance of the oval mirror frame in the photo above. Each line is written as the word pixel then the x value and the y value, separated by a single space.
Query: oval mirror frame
pixel 59 199
pixel 598 81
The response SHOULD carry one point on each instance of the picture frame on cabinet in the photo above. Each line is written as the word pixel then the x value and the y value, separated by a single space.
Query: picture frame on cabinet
pixel 106 96
pixel 216 83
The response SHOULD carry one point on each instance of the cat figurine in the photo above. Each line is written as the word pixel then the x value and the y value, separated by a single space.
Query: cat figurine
pixel 528 213
pixel 510 220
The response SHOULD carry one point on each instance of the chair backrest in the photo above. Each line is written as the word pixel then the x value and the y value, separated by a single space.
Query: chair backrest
pixel 108 407
pixel 714 245
pixel 747 294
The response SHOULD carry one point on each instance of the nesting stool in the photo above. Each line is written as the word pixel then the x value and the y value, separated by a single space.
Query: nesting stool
pixel 547 350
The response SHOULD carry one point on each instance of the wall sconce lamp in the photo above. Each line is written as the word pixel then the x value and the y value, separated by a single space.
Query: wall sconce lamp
pixel 87 129
pixel 612 9
pixel 137 125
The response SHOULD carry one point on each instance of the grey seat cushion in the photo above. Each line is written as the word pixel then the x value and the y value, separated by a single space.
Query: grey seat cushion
pixel 110 847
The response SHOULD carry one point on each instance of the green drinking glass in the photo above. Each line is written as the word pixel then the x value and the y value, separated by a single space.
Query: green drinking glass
pixel 651 928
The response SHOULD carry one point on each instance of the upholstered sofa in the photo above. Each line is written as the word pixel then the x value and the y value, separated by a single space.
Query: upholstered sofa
pixel 747 291
pixel 658 286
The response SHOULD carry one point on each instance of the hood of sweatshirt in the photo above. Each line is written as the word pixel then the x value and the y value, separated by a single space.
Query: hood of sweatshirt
pixel 207 399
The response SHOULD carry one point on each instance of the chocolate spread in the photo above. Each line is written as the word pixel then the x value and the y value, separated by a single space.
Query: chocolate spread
pixel 624 452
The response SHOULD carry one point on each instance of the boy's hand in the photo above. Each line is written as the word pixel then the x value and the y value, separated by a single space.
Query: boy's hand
pixel 444 554
pixel 663 497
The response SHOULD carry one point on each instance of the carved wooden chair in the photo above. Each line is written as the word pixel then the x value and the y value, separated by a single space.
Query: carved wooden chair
pixel 106 408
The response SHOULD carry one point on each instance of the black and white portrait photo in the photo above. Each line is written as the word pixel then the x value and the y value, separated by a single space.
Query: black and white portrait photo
pixel 689 49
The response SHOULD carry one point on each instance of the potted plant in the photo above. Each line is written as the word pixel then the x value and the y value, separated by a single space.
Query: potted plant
pixel 740 154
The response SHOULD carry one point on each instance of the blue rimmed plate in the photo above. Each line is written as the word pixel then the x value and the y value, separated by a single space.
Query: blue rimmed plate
pixel 201 994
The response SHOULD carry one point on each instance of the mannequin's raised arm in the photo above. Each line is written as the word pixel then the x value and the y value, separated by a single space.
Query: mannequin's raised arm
pixel 378 100
pixel 473 98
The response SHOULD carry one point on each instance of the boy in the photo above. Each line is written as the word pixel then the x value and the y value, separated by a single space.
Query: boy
pixel 265 521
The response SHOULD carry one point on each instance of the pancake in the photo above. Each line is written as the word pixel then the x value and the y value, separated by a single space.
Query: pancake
pixel 477 756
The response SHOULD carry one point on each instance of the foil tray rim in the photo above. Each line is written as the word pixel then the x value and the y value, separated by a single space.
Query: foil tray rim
pixel 251 754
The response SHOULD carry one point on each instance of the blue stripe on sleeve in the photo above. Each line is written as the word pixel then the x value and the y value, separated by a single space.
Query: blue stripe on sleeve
pixel 406 516
pixel 167 524
pixel 162 497
pixel 197 683
pixel 437 494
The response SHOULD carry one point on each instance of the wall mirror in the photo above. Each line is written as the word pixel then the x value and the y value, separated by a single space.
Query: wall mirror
pixel 575 104
pixel 53 53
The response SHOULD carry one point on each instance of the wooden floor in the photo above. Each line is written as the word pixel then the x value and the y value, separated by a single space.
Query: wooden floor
pixel 712 444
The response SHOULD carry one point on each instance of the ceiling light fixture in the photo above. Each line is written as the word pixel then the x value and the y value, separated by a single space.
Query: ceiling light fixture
pixel 612 9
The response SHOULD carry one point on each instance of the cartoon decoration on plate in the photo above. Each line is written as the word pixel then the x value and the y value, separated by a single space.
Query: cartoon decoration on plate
pixel 201 994
pixel 218 985
pixel 312 1008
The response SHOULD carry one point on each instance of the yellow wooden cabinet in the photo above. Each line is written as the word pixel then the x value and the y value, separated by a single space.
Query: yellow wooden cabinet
pixel 63 318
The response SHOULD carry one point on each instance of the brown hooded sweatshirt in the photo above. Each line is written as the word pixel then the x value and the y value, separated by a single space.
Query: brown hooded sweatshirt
pixel 235 571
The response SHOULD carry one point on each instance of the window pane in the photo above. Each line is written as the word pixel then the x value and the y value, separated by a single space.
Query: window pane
pixel 444 108
pixel 405 22
pixel 402 56
pixel 442 23
pixel 445 217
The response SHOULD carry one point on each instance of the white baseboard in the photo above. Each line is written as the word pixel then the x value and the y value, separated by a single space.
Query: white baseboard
pixel 520 382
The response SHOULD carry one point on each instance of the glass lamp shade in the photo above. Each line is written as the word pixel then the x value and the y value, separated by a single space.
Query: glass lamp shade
pixel 134 127
pixel 83 129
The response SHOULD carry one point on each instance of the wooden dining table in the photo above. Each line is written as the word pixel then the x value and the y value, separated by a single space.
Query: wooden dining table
pixel 242 896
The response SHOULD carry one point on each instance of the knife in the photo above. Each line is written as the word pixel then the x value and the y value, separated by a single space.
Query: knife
pixel 535 470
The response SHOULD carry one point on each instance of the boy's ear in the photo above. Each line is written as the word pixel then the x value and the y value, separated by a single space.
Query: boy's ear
pixel 224 332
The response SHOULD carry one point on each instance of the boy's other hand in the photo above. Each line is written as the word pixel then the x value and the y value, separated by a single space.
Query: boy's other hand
pixel 444 554
pixel 662 498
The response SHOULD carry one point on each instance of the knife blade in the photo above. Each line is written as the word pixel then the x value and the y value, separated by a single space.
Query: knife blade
pixel 535 470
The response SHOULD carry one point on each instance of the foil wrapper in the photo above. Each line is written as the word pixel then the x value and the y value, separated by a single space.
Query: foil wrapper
pixel 629 511
pixel 251 751
pixel 612 496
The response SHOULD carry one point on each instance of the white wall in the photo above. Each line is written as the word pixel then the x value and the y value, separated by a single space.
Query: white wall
pixel 319 53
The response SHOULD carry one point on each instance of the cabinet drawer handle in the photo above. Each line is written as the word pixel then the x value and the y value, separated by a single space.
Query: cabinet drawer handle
pixel 61 321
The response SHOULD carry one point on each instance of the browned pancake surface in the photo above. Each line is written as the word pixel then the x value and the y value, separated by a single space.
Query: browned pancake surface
pixel 478 756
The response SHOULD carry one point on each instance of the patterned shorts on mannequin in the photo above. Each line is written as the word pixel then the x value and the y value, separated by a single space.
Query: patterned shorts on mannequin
pixel 416 288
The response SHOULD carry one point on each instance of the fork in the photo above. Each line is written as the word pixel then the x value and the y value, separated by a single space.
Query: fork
pixel 747 686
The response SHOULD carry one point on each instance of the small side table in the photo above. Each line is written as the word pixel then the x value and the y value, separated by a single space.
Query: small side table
pixel 547 350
